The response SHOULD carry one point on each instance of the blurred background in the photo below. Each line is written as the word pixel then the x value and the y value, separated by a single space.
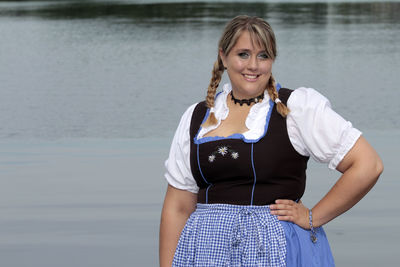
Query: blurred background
pixel 91 93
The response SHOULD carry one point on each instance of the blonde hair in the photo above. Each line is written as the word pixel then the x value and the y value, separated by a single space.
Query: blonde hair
pixel 261 33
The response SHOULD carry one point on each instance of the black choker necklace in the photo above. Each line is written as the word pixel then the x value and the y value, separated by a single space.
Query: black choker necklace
pixel 247 101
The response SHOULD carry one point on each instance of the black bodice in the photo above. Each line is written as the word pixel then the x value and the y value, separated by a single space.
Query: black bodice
pixel 247 172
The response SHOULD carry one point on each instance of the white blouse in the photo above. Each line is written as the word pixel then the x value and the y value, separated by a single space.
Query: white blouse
pixel 314 130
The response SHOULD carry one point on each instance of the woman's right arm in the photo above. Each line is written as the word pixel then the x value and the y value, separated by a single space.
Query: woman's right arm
pixel 178 205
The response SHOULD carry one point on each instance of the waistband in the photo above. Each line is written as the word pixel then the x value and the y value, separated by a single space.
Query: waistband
pixel 232 207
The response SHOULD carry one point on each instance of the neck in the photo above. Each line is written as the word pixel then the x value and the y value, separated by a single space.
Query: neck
pixel 248 101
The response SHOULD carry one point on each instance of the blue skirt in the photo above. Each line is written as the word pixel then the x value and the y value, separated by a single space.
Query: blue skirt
pixel 237 235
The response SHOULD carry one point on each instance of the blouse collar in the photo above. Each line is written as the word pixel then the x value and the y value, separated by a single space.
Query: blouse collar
pixel 255 120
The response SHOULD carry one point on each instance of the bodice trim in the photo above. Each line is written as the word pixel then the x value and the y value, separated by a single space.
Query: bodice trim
pixel 235 135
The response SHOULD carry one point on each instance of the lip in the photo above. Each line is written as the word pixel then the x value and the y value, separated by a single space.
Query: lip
pixel 251 77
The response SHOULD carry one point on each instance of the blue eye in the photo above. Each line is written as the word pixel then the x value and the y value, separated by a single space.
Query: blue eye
pixel 243 55
pixel 263 56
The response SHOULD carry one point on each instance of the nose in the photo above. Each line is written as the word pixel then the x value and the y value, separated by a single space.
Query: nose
pixel 253 63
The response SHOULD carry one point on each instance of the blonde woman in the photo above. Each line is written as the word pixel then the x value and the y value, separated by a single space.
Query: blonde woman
pixel 237 165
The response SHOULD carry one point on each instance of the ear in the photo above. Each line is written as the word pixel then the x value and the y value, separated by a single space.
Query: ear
pixel 222 56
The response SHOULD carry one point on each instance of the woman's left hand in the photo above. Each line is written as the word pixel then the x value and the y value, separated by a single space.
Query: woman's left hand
pixel 289 210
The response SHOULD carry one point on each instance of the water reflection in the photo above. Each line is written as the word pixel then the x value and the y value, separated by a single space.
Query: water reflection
pixel 208 12
pixel 89 69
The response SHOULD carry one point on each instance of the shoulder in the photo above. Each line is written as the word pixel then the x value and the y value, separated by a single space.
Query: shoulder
pixel 178 172
pixel 284 94
pixel 185 120
pixel 191 108
pixel 304 98
pixel 316 130
pixel 189 111
pixel 195 110
pixel 199 107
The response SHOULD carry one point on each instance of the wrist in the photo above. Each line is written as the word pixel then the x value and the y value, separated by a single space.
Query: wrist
pixel 313 235
pixel 316 220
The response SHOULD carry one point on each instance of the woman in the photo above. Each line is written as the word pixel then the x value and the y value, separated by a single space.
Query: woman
pixel 236 169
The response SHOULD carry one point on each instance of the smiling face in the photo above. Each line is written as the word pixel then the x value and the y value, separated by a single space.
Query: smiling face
pixel 248 66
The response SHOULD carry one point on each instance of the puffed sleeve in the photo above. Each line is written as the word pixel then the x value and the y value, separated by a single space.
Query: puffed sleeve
pixel 316 130
pixel 178 172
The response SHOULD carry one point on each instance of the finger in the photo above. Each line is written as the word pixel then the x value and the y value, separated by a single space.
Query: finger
pixel 286 218
pixel 284 201
pixel 281 207
pixel 281 212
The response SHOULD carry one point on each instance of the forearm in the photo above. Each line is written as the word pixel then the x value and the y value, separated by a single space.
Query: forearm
pixel 355 182
pixel 361 168
pixel 172 223
pixel 178 206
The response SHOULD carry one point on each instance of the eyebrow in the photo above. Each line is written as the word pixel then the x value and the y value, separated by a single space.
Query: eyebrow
pixel 248 50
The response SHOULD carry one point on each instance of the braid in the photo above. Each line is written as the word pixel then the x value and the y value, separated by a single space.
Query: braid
pixel 273 94
pixel 217 72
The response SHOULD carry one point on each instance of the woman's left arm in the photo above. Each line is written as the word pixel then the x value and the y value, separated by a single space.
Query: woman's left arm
pixel 360 170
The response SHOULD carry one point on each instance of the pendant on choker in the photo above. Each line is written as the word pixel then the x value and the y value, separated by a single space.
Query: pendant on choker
pixel 247 101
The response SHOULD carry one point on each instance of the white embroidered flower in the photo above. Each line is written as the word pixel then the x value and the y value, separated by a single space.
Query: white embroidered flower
pixel 223 150
pixel 235 155
pixel 211 158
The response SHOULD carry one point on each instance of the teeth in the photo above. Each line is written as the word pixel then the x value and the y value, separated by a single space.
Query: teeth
pixel 250 76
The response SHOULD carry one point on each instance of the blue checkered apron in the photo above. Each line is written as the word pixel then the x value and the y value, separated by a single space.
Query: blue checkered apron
pixel 231 235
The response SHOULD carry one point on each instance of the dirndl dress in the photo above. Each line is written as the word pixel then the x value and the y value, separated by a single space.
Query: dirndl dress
pixel 238 179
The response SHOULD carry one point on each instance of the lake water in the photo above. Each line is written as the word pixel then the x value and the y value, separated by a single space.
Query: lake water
pixel 92 91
